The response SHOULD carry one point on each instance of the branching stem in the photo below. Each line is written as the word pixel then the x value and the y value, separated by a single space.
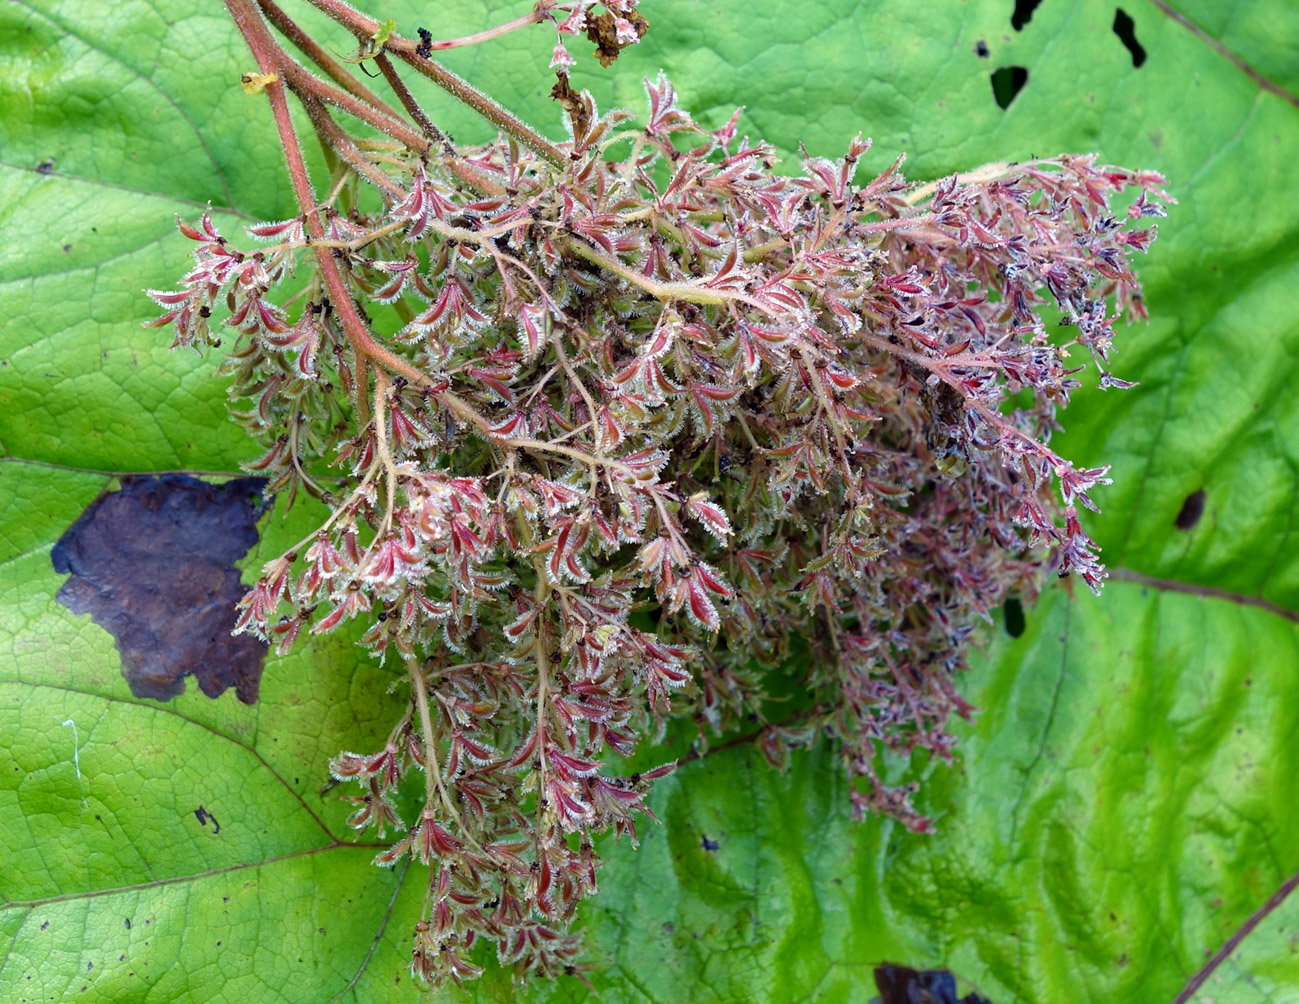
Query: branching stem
pixel 364 27
pixel 489 34
pixel 317 54
pixel 304 83
pixel 266 52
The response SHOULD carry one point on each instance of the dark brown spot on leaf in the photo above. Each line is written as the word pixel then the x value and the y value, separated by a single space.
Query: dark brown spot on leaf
pixel 153 564
pixel 204 817
pixel 1191 511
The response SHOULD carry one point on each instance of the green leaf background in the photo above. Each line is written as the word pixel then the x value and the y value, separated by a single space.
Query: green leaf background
pixel 1130 792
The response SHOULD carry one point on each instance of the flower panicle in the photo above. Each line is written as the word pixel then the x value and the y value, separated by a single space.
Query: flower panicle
pixel 631 427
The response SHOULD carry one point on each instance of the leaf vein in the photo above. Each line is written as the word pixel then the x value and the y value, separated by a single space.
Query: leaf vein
pixel 32 904
pixel 1265 83
pixel 1207 592
pixel 207 150
pixel 251 750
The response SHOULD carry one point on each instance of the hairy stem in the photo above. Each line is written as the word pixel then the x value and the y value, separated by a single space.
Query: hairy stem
pixel 541 595
pixel 268 55
pixel 381 386
pixel 490 33
pixel 688 292
pixel 345 148
pixel 335 70
pixel 407 99
pixel 364 27
pixel 434 789
pixel 303 83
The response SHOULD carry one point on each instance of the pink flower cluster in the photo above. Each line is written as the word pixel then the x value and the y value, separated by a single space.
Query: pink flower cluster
pixel 665 419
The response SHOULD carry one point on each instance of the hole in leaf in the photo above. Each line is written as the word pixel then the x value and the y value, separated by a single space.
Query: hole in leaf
pixel 981 49
pixel 1013 611
pixel 1126 29
pixel 1191 511
pixel 1023 13
pixel 1007 81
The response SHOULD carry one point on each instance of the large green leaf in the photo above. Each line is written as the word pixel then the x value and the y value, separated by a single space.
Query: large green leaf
pixel 1125 800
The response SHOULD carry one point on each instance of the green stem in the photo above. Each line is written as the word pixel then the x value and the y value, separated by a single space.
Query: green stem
pixel 434 790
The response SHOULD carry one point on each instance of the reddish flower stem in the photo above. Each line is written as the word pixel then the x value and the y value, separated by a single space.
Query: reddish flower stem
pixel 269 59
pixel 308 46
pixel 392 124
pixel 490 33
pixel 342 144
pixel 466 93
pixel 470 175
pixel 364 27
pixel 407 99
pixel 361 25
pixel 303 82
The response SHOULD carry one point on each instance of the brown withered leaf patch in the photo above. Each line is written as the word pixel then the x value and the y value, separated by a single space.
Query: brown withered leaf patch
pixel 904 985
pixel 153 564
